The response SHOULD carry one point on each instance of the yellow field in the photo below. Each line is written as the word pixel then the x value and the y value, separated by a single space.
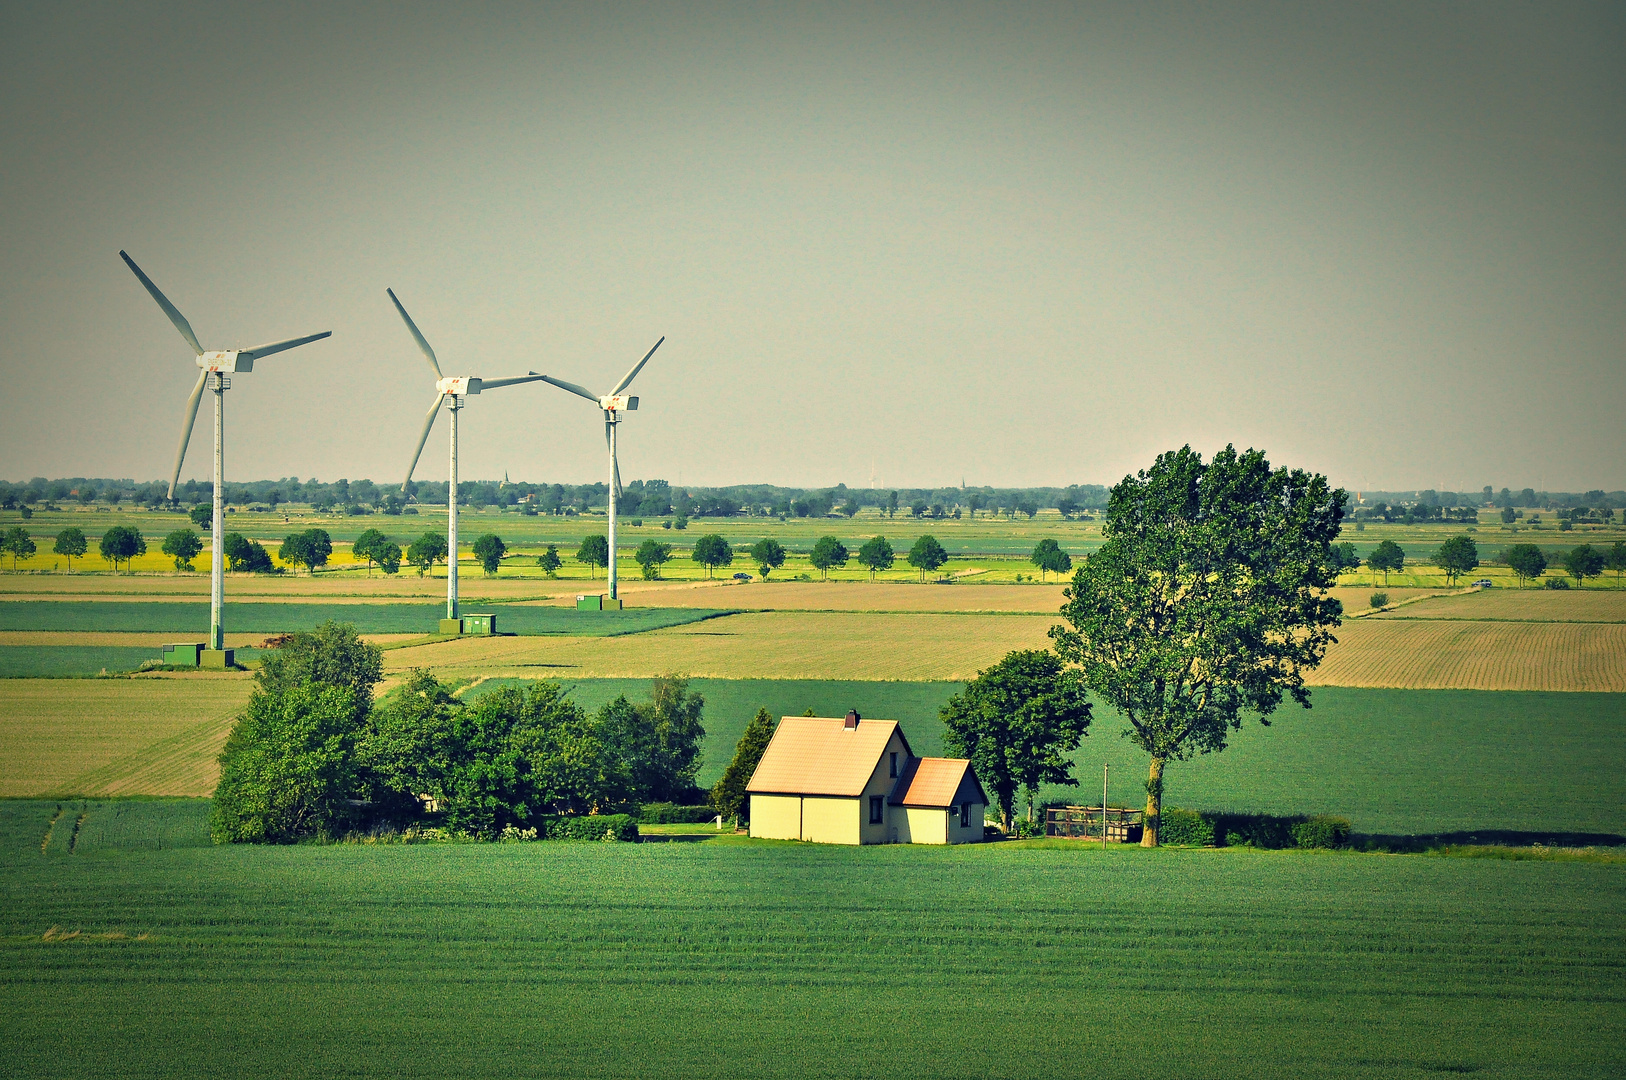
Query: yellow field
pixel 150 736
pixel 1542 605
pixel 1420 654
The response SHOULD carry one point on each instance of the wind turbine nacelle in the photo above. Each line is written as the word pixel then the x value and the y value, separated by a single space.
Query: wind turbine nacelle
pixel 618 403
pixel 226 360
pixel 462 386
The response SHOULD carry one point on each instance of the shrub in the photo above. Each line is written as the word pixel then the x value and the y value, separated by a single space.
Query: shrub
pixel 607 828
pixel 1185 828
pixel 1557 583
pixel 1321 831
pixel 286 771
pixel 1379 599
pixel 665 813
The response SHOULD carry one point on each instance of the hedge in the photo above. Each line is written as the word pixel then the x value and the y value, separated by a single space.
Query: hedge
pixel 604 827
pixel 665 813
pixel 1202 828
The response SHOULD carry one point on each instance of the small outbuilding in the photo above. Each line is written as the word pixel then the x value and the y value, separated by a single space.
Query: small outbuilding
pixel 847 780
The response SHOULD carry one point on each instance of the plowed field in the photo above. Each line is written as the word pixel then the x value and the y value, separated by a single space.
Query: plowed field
pixel 1475 655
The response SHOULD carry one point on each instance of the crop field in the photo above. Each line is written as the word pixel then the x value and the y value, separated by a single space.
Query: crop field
pixel 790 960
pixel 150 736
pixel 1519 605
pixel 1477 655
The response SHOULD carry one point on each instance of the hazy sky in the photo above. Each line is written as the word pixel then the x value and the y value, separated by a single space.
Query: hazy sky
pixel 1023 245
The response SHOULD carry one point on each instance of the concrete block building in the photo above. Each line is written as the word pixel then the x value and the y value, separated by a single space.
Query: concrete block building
pixel 836 780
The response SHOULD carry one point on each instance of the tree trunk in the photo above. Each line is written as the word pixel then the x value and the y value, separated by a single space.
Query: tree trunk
pixel 1154 803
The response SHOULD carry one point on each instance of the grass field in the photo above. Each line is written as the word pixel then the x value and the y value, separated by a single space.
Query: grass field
pixel 79 661
pixel 763 959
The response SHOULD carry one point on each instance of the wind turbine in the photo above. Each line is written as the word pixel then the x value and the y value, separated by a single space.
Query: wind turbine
pixel 455 389
pixel 614 403
pixel 215 364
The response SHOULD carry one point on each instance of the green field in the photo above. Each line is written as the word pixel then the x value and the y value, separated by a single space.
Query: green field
pixel 136 956
pixel 159 616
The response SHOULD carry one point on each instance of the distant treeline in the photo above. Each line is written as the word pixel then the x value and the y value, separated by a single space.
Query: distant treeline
pixel 657 498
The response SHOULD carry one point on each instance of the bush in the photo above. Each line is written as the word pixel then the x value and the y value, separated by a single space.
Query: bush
pixel 1379 599
pixel 1186 828
pixel 665 813
pixel 1023 829
pixel 607 828
pixel 1321 831
pixel 1557 583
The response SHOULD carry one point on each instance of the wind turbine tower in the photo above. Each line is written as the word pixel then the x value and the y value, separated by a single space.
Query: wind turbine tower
pixel 216 364
pixel 452 391
pixel 614 404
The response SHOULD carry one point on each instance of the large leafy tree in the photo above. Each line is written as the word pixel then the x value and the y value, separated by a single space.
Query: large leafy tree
pixel 247 555
pixel 658 740
pixel 71 543
pixel 549 561
pixel 828 554
pixel 712 551
pixel 17 543
pixel 1616 560
pixel 1527 561
pixel 1048 556
pixel 650 556
pixel 182 545
pixel 1387 557
pixel 1583 562
pixel 728 794
pixel 426 551
pixel 595 552
pixel 1457 556
pixel 287 768
pixel 309 549
pixel 364 545
pixel 120 543
pixel 489 549
pixel 1208 599
pixel 876 554
pixel 768 554
pixel 927 555
pixel 332 654
pixel 1018 721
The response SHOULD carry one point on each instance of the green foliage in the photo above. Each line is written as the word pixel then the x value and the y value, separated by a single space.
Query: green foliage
pixel 426 551
pixel 1557 583
pixel 651 556
pixel 1185 828
pixel 927 555
pixel 1321 831
pixel 712 551
pixel 666 813
pixel 286 771
pixel 202 515
pixel 247 556
pixel 1616 560
pixel 1527 561
pixel 1049 557
pixel 332 655
pixel 182 545
pixel 1583 562
pixel 598 828
pixel 594 551
pixel 1388 558
pixel 310 549
pixel 1457 556
pixel 1208 599
pixel 17 543
pixel 728 795
pixel 828 554
pixel 387 554
pixel 71 543
pixel 489 549
pixel 549 560
pixel 1345 558
pixel 1018 722
pixel 659 742
pixel 876 555
pixel 120 543
pixel 366 543
pixel 1379 599
pixel 769 556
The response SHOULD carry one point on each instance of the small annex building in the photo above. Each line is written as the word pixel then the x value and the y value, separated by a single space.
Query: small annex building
pixel 836 780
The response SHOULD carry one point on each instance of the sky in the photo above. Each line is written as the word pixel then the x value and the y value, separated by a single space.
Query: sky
pixel 902 245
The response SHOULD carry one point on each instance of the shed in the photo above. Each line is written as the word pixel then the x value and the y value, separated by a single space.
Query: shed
pixel 847 780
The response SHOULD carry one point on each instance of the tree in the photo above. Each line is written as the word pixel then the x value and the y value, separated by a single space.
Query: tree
pixel 332 655
pixel 1387 557
pixel 1048 555
pixel 120 543
pixel 876 554
pixel 71 543
pixel 712 551
pixel 828 554
pixel 549 560
pixel 182 545
pixel 363 547
pixel 728 795
pixel 1526 561
pixel 309 549
pixel 490 549
pixel 1346 559
pixel 1457 556
pixel 387 553
pixel 595 552
pixel 769 556
pixel 1584 562
pixel 650 556
pixel 425 551
pixel 17 543
pixel 286 769
pixel 202 515
pixel 1208 598
pixel 927 555
pixel 658 740
pixel 1509 515
pixel 891 504
pixel 246 556
pixel 1018 722
pixel 1616 560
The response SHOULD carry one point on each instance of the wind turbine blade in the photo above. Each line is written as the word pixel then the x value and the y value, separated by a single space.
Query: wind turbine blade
pixel 428 422
pixel 572 387
pixel 282 346
pixel 615 466
pixel 169 309
pixel 636 368
pixel 487 384
pixel 416 336
pixel 186 430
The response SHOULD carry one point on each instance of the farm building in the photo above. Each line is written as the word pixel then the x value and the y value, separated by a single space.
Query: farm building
pixel 854 781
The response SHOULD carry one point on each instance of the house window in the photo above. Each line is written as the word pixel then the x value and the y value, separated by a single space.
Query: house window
pixel 876 803
pixel 965 815
pixel 894 766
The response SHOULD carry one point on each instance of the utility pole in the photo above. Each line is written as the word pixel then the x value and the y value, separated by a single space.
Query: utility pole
pixel 1105 768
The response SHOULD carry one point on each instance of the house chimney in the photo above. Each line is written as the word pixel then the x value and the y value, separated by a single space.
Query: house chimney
pixel 851 723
